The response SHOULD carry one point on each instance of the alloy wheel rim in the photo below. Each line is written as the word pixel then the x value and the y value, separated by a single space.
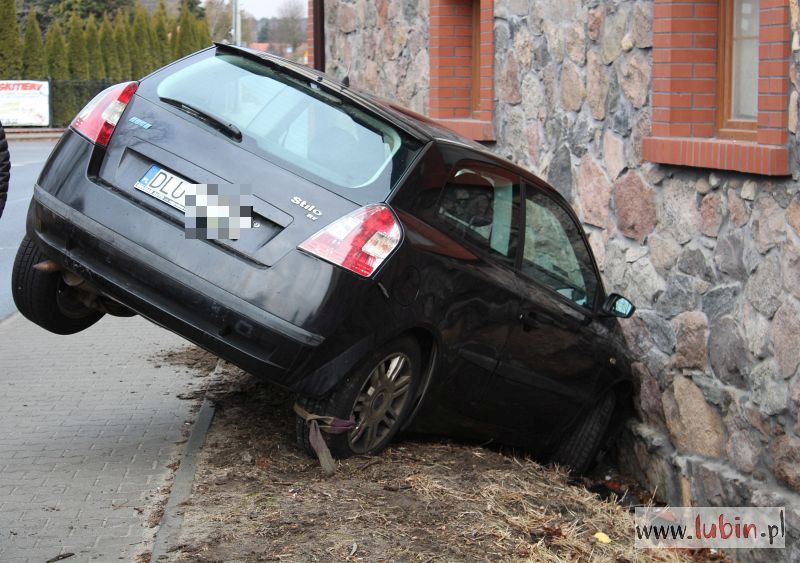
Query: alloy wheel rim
pixel 380 402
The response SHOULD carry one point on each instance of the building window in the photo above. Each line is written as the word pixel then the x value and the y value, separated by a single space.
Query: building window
pixel 738 63
pixel 462 66
pixel 720 90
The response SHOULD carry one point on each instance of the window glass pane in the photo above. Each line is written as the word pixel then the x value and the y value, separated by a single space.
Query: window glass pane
pixel 482 206
pixel 554 253
pixel 289 119
pixel 744 83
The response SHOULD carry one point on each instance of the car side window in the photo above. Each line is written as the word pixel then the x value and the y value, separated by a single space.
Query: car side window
pixel 481 204
pixel 555 253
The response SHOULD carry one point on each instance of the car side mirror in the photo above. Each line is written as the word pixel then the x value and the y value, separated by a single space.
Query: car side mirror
pixel 618 306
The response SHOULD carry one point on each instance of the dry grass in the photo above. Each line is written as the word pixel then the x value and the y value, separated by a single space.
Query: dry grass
pixel 258 498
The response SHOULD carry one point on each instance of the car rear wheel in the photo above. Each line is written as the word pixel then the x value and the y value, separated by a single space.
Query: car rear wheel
pixel 44 298
pixel 378 395
pixel 580 446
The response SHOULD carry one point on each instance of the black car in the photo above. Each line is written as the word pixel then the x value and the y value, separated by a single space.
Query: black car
pixel 386 270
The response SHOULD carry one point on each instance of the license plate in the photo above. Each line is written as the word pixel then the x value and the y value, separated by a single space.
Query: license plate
pixel 163 185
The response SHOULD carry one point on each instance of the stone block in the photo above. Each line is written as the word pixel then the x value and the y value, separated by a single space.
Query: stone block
pixel 785 452
pixel 636 206
pixel 573 90
pixel 768 223
pixel 785 334
pixel 769 391
pixel 695 426
pixel 728 352
pixel 634 74
pixel 615 26
pixel 594 192
pixel 597 85
pixel 793 214
pixel 764 287
pixel 712 213
pixel 691 336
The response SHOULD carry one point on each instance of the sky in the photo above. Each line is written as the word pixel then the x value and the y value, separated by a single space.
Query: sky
pixel 264 8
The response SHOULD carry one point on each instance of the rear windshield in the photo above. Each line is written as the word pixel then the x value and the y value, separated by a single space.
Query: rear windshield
pixel 293 121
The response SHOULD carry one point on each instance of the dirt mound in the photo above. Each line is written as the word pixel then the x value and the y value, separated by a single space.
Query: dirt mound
pixel 190 357
pixel 257 497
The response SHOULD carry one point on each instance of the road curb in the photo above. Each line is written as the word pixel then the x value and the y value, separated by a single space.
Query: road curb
pixel 170 526
pixel 13 134
pixel 35 137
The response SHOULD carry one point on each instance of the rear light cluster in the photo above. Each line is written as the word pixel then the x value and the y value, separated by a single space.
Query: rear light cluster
pixel 360 241
pixel 98 119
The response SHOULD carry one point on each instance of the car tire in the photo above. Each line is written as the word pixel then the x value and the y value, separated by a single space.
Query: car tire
pixel 41 296
pixel 365 396
pixel 579 448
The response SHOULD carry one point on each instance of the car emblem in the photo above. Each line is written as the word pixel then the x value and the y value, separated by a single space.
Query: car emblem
pixel 313 212
pixel 140 122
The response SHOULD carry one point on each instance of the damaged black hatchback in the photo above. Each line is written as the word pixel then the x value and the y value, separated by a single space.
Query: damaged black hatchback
pixel 381 267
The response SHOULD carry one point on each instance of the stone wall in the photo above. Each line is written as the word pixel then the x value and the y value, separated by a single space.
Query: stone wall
pixel 382 46
pixel 711 259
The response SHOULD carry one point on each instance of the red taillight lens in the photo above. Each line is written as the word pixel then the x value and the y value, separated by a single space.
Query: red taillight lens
pixel 360 241
pixel 98 119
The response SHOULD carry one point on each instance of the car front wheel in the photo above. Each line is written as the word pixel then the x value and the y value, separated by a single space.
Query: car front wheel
pixel 580 446
pixel 377 396
pixel 44 298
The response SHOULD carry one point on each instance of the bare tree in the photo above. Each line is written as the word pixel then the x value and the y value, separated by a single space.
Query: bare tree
pixel 249 26
pixel 288 28
pixel 218 16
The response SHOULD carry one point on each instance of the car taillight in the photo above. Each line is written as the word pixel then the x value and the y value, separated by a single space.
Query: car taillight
pixel 98 119
pixel 360 241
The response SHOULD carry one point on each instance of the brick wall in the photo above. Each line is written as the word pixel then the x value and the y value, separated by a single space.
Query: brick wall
pixel 451 53
pixel 773 72
pixel 310 33
pixel 462 66
pixel 684 68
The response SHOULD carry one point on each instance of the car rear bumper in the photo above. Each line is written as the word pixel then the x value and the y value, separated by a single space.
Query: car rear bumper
pixel 168 295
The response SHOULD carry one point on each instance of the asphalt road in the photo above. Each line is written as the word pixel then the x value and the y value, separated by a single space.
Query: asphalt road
pixel 27 159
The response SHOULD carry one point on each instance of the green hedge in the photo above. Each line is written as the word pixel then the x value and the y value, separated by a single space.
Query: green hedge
pixel 67 98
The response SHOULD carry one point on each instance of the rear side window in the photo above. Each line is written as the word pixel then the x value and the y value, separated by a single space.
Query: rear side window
pixel 294 122
pixel 481 204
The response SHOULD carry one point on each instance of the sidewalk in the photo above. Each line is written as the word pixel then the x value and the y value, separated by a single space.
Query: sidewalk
pixel 90 430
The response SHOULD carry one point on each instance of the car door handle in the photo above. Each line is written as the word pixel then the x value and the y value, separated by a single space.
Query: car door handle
pixel 528 319
pixel 575 315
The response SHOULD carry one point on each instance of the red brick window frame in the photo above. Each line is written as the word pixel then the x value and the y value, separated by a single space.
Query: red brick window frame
pixel 462 66
pixel 687 78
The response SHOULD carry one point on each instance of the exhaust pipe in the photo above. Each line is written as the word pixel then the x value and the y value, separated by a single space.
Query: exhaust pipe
pixel 48 267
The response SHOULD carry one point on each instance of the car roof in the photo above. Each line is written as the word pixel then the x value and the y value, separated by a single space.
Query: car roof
pixel 411 126
pixel 423 127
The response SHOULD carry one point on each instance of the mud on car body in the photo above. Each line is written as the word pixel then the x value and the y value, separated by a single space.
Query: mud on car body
pixel 394 272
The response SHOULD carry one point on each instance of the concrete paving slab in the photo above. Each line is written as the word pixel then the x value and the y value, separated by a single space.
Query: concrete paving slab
pixel 89 428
